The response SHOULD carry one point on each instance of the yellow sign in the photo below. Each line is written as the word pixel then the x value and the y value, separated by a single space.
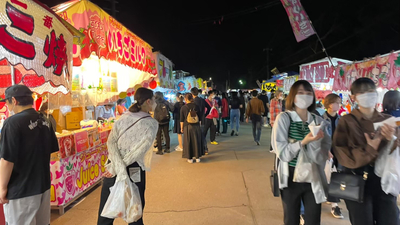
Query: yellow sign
pixel 271 86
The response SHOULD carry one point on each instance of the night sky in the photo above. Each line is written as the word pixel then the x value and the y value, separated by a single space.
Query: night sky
pixel 217 38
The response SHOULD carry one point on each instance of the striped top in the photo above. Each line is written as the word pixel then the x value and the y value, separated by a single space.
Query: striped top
pixel 298 131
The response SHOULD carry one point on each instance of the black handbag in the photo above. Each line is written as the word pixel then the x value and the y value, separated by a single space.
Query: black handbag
pixel 274 181
pixel 348 186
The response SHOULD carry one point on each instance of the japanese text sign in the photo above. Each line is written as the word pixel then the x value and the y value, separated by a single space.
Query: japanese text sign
pixel 105 37
pixel 298 18
pixel 38 46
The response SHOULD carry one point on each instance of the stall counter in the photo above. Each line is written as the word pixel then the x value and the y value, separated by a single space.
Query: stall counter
pixel 78 166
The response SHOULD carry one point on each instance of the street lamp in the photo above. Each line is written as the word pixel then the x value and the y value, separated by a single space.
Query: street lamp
pixel 210 78
pixel 240 82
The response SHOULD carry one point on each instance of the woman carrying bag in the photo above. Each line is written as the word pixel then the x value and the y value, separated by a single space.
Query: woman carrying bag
pixel 358 147
pixel 301 156
pixel 130 152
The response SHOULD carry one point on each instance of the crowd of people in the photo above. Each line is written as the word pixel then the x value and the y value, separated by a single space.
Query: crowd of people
pixel 303 140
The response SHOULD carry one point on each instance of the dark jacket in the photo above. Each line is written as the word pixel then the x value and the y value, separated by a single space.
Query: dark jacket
pixel 160 104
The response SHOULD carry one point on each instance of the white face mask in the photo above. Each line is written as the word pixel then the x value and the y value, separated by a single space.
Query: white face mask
pixel 303 101
pixel 367 100
pixel 11 111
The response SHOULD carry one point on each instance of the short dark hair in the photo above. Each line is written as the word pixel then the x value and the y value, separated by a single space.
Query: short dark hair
pixel 189 96
pixel 330 99
pixel 121 100
pixel 263 92
pixel 211 92
pixel 293 92
pixel 158 96
pixel 22 101
pixel 254 93
pixel 362 85
pixel 195 91
pixel 179 96
pixel 391 101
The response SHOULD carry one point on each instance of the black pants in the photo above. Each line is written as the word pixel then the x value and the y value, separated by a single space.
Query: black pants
pixel 291 199
pixel 378 208
pixel 105 192
pixel 213 129
pixel 163 128
pixel 219 124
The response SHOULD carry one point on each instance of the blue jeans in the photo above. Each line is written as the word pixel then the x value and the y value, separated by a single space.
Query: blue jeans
pixel 256 121
pixel 235 113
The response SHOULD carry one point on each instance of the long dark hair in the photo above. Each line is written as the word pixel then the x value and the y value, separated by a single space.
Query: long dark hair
pixel 141 96
pixel 391 101
pixel 224 95
pixel 293 92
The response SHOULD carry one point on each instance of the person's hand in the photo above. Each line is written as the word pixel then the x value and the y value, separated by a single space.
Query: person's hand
pixel 310 138
pixel 107 174
pixel 330 155
pixel 182 130
pixel 247 120
pixel 375 142
pixel 387 132
pixel 3 194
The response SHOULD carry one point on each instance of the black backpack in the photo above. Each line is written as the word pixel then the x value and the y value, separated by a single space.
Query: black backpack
pixel 162 113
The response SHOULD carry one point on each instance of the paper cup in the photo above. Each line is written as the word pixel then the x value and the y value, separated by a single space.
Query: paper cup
pixel 314 129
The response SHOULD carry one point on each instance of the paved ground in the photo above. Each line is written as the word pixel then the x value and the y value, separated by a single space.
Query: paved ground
pixel 230 186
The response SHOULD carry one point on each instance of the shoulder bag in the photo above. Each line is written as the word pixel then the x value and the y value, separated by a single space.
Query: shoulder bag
pixel 349 186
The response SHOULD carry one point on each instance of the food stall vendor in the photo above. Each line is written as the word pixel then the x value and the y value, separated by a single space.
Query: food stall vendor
pixel 105 112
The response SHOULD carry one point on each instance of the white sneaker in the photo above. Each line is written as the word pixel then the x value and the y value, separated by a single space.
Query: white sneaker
pixel 267 125
pixel 178 149
pixel 197 160
pixel 190 160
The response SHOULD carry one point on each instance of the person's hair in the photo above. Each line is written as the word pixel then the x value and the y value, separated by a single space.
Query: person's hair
pixel 391 101
pixel 179 96
pixel 362 85
pixel 211 92
pixel 224 95
pixel 329 99
pixel 44 107
pixel 263 92
pixel 121 100
pixel 278 92
pixel 22 101
pixel 189 97
pixel 141 96
pixel 158 96
pixel 194 91
pixel 293 92
pixel 319 105
pixel 254 93
pixel 234 94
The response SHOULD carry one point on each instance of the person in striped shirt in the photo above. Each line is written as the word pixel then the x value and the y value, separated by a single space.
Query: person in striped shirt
pixel 290 136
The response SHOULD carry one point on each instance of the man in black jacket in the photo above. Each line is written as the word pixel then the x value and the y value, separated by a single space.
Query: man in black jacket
pixel 163 116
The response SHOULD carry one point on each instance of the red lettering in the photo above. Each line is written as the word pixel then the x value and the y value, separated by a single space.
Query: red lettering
pixel 15 45
pixel 133 50
pixel 143 59
pixel 17 2
pixel 56 51
pixel 20 20
pixel 119 44
pixel 127 40
pixel 110 41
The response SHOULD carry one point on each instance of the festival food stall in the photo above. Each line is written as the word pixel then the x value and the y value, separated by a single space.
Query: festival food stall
pixel 185 84
pixel 35 50
pixel 384 70
pixel 110 64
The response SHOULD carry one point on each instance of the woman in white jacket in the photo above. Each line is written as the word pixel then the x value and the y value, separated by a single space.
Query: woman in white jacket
pixel 291 137
pixel 129 147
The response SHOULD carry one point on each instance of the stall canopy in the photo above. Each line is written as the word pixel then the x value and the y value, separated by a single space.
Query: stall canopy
pixel 320 71
pixel 35 48
pixel 111 58
pixel 384 70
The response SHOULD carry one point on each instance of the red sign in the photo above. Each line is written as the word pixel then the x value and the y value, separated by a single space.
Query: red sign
pixel 81 141
pixel 301 25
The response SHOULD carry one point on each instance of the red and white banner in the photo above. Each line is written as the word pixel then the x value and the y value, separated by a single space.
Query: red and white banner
pixel 35 48
pixel 298 18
